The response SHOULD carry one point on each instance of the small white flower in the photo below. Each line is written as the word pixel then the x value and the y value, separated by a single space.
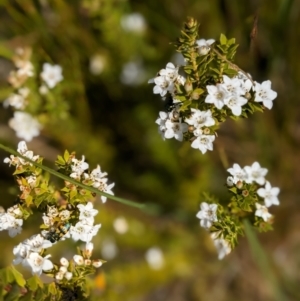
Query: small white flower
pixel 223 247
pixel 264 94
pixel 175 129
pixel 200 118
pixel 51 74
pixel 134 22
pixel 203 142
pixel 256 173
pixel 63 269
pixel 52 211
pixel 89 249
pixel 78 259
pixel 155 258
pixel 25 125
pixel 78 167
pixel 217 95
pixel 48 221
pixel 15 100
pixel 87 213
pixel 15 228
pixel 25 68
pixel 21 251
pixel 39 263
pixel 64 215
pixel 235 103
pixel 59 276
pixel 204 46
pixel 262 211
pixel 238 173
pixel 37 243
pixel 161 121
pixel 207 214
pixel 269 194
pixel 84 232
pixel 162 86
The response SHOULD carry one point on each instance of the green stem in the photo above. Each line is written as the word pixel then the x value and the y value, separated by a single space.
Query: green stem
pixel 66 178
pixel 262 260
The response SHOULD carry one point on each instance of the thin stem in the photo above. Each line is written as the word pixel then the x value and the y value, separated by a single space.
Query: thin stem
pixel 66 178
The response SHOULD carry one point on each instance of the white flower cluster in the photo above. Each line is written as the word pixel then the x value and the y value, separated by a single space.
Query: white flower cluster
pixel 24 124
pixel 166 80
pixel 85 229
pixel 11 220
pixel 29 254
pixel 207 216
pixel 198 123
pixel 249 175
pixel 234 93
pixel 95 178
pixel 23 150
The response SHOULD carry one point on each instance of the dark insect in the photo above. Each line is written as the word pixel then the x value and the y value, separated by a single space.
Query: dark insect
pixel 57 231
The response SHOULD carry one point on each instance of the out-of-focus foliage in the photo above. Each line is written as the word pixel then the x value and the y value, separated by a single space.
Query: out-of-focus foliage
pixel 111 121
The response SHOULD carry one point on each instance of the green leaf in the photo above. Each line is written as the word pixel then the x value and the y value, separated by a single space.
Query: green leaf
pixel 18 277
pixel 6 275
pixel 66 156
pixel 223 39
pixel 34 282
pixel 231 41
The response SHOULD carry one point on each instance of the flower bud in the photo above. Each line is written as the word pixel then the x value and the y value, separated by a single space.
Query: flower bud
pixel 191 128
pixel 89 249
pixel 230 181
pixel 245 193
pixel 206 131
pixel 97 263
pixel 64 262
pixel 87 262
pixel 239 184
pixel 63 269
pixel 195 95
pixel 59 276
pixel 188 86
pixel 68 275
pixel 78 259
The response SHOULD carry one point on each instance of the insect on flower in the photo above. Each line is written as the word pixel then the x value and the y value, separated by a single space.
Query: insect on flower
pixel 57 231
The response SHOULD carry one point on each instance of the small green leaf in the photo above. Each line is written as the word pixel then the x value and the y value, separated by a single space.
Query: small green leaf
pixel 18 277
pixel 66 156
pixel 223 39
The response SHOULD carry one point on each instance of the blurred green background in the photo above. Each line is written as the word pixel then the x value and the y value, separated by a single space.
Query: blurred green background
pixel 111 120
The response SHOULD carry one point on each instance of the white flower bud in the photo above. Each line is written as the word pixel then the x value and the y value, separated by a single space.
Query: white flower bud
pixel 97 263
pixel 68 275
pixel 63 269
pixel 87 262
pixel 78 259
pixel 89 249
pixel 230 181
pixel 64 262
pixel 59 276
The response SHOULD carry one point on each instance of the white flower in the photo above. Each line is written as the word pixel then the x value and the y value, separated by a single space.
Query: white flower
pixel 269 194
pixel 217 95
pixel 15 211
pixel 255 173
pixel 59 276
pixel 89 249
pixel 25 68
pixel 203 142
pixel 64 215
pixel 204 46
pixel 48 221
pixel 87 213
pixel 15 100
pixel 78 259
pixel 200 118
pixel 232 85
pixel 120 225
pixel 170 73
pixel 262 211
pixel 264 94
pixel 161 121
pixel 175 129
pixel 37 243
pixel 155 258
pixel 78 167
pixel 162 86
pixel 97 263
pixel 25 125
pixel 39 263
pixel 134 22
pixel 223 247
pixel 97 64
pixel 238 173
pixel 68 275
pixel 207 214
pixel 52 211
pixel 230 181
pixel 21 251
pixel 83 231
pixel 51 74
pixel 235 103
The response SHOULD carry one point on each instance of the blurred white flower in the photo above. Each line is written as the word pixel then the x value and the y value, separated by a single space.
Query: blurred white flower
pixel 269 194
pixel 120 224
pixel 43 90
pixel 256 173
pixel 155 258
pixel 134 22
pixel 207 214
pixel 87 213
pixel 97 64
pixel 133 73
pixel 51 74
pixel 262 211
pixel 223 247
pixel 25 126
pixel 109 249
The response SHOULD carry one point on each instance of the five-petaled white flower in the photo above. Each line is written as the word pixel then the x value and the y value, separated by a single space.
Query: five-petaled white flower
pixel 235 103
pixel 51 74
pixel 217 95
pixel 262 211
pixel 269 194
pixel 207 214
pixel 200 118
pixel 39 263
pixel 223 247
pixel 78 167
pixel 87 213
pixel 256 173
pixel 203 142
pixel 264 94
pixel 175 129
pixel 238 173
